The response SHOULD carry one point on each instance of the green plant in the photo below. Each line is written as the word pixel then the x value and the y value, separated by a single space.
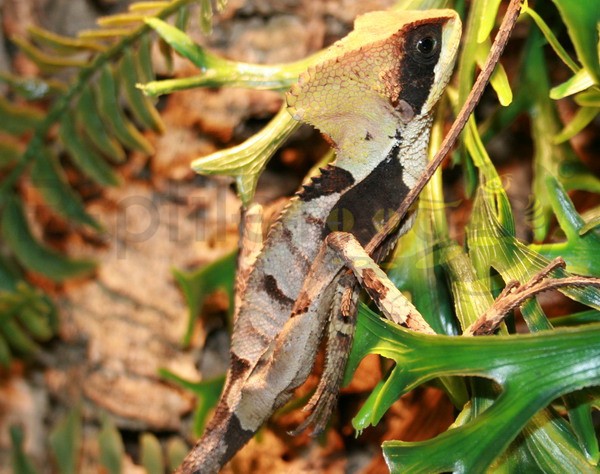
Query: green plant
pixel 508 419
pixel 525 401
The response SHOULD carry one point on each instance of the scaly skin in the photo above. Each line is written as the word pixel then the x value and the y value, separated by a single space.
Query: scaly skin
pixel 373 96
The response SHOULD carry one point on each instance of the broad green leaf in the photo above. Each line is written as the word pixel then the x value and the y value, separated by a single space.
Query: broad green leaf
pixel 197 285
pixel 113 115
pixel 151 454
pixel 492 246
pixel 206 391
pixel 182 19
pixel 5 356
pixel 84 156
pixel 112 450
pixel 50 181
pixel 96 129
pixel 18 119
pixel 31 253
pixel 582 20
pixel 65 441
pixel 580 250
pixel 532 369
pixel 246 161
pixel 140 105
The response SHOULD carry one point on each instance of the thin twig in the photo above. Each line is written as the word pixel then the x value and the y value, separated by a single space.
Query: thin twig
pixel 506 28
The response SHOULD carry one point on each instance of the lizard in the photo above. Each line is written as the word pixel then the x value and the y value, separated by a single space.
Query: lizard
pixel 372 95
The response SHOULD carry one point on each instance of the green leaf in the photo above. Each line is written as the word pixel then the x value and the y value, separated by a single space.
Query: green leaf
pixel 112 450
pixel 550 158
pixel 246 161
pixel 19 460
pixel 47 62
pixel 550 37
pixel 87 160
pixel 177 450
pixel 490 7
pixel 581 81
pixel 141 106
pixel 18 119
pixel 532 369
pixel 582 20
pixel 197 285
pixel 32 88
pixel 10 152
pixel 499 79
pixel 50 181
pixel 62 44
pixel 582 119
pixel 580 249
pixel 151 454
pixel 206 391
pixel 65 441
pixel 95 128
pixel 112 114
pixel 31 253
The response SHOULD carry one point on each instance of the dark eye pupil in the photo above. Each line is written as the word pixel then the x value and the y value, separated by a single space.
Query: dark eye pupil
pixel 426 46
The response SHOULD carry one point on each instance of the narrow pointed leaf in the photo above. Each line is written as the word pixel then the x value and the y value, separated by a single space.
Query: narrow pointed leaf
pixel 112 450
pixel 62 44
pixel 113 114
pixel 578 122
pixel 582 19
pixel 18 119
pixel 84 156
pixel 49 179
pixel 581 81
pixel 151 454
pixel 95 128
pixel 32 254
pixel 65 441
pixel 140 105
pixel 45 61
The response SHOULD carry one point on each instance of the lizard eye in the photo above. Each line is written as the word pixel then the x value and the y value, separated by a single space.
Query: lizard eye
pixel 424 46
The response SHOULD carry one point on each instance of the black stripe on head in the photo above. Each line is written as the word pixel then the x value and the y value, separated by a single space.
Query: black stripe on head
pixel 422 46
pixel 375 197
pixel 331 180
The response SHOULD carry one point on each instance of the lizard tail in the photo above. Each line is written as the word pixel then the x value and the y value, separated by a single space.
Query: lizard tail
pixel 223 437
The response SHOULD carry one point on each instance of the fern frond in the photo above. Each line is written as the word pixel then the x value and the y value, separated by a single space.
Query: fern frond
pixel 91 123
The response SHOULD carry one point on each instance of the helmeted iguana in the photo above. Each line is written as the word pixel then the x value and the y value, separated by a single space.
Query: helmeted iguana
pixel 372 95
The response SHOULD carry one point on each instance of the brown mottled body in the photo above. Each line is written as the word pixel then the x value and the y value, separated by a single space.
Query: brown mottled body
pixel 373 96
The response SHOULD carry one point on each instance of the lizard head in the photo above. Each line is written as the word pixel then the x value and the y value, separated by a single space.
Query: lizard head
pixel 387 73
